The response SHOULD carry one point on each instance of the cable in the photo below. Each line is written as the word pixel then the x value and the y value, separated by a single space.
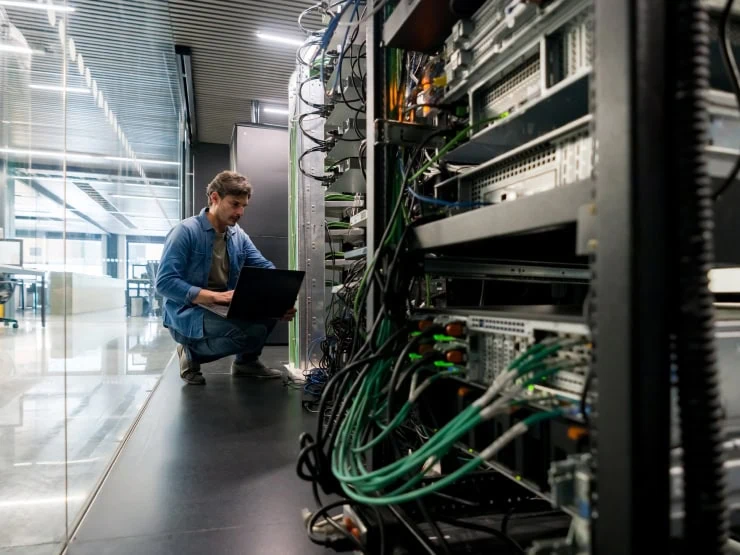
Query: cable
pixel 486 529
pixel 733 74
pixel 435 527
pixel 445 203
pixel 326 542
pixel 415 532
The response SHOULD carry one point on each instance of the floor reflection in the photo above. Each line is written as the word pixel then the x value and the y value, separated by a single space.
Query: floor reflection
pixel 111 363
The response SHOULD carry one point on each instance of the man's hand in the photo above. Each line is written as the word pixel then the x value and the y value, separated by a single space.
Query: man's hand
pixel 214 297
pixel 288 316
pixel 223 297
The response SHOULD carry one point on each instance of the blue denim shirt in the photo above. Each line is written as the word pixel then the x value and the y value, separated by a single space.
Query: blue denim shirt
pixel 186 263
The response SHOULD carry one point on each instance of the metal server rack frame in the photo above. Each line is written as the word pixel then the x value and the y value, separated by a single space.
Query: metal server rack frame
pixel 633 421
pixel 631 470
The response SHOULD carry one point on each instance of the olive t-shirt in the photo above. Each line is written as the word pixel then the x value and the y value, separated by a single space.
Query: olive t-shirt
pixel 218 278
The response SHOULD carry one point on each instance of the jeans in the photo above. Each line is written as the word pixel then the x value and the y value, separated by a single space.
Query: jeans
pixel 222 338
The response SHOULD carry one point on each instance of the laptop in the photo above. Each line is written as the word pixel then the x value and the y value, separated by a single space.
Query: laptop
pixel 261 294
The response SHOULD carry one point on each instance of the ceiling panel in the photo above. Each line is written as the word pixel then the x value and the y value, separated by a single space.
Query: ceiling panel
pixel 231 65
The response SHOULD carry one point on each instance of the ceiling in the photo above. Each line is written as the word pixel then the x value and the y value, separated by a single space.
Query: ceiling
pixel 231 65
pixel 121 128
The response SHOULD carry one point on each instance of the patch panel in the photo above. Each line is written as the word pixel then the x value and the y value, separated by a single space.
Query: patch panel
pixel 492 340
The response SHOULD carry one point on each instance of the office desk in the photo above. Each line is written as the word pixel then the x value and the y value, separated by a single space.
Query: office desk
pixel 21 271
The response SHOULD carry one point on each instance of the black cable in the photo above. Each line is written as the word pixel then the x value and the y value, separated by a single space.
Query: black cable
pixel 306 102
pixel 435 527
pixel 415 532
pixel 394 214
pixel 322 178
pixel 320 142
pixel 381 529
pixel 486 529
pixel 728 58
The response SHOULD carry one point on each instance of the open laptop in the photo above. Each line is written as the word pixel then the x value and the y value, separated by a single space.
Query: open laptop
pixel 260 294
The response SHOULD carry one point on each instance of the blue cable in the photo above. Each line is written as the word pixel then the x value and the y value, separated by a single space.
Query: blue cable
pixel 445 203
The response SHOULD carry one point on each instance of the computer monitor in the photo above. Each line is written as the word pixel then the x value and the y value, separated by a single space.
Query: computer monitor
pixel 11 252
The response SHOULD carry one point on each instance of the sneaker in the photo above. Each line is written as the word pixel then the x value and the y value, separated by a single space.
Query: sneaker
pixel 189 370
pixel 254 369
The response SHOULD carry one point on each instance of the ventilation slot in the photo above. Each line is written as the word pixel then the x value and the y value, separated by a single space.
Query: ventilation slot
pixel 515 89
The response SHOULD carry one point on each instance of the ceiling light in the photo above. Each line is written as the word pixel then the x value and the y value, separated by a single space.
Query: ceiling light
pixel 283 111
pixel 142 160
pixel 59 88
pixel 142 197
pixel 15 49
pixel 35 6
pixel 82 156
pixel 282 40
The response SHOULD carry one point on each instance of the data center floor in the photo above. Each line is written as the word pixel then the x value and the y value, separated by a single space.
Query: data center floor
pixel 207 470
pixel 68 394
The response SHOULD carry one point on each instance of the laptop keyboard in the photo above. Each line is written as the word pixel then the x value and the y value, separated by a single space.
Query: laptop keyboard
pixel 221 310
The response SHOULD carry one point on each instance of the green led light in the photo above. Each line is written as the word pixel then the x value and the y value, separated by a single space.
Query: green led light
pixel 442 337
pixel 531 388
pixel 503 115
pixel 443 364
pixel 415 333
pixel 518 478
pixel 415 356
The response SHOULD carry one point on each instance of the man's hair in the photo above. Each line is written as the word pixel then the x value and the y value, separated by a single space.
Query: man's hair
pixel 229 183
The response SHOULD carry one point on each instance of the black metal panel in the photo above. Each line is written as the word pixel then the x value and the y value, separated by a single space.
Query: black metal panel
pixel 208 160
pixel 262 154
pixel 631 345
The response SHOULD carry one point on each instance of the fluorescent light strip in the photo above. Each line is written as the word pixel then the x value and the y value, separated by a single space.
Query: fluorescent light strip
pixel 35 6
pixel 83 156
pixel 283 111
pixel 142 160
pixel 58 88
pixel 40 501
pixel 279 39
pixel 15 49
pixel 142 197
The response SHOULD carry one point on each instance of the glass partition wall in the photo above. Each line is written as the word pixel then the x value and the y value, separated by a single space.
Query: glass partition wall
pixel 90 167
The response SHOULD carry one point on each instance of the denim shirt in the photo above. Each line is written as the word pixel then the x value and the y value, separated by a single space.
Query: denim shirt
pixel 186 263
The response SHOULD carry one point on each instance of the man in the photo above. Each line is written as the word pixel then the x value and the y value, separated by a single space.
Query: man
pixel 200 265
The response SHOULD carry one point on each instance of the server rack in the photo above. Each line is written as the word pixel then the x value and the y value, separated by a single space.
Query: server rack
pixel 623 216
pixel 611 122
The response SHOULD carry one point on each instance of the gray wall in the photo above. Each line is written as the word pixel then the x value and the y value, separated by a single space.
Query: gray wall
pixel 208 160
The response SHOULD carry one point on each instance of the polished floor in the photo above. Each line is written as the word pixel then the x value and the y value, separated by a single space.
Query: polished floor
pixel 69 393
pixel 207 470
